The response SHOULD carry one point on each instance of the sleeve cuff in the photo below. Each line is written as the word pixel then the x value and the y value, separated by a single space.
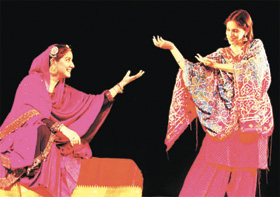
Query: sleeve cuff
pixel 109 96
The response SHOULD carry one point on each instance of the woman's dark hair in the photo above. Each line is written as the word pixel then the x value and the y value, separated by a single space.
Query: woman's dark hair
pixel 62 50
pixel 243 20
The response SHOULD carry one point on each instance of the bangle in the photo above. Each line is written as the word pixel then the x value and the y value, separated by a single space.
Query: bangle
pixel 121 88
pixel 117 89
pixel 56 127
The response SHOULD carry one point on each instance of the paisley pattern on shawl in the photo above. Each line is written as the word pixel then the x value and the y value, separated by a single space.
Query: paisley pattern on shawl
pixel 219 97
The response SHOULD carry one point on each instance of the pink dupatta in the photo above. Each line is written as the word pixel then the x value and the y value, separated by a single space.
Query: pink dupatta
pixel 18 133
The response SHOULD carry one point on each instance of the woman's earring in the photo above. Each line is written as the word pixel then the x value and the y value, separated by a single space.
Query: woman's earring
pixel 53 70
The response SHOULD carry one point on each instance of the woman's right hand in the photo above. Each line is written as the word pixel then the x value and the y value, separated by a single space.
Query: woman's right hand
pixel 127 78
pixel 73 137
pixel 161 43
pixel 206 61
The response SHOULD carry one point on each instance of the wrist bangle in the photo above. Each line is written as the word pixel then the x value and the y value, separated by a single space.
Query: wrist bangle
pixel 117 89
pixel 56 127
pixel 121 88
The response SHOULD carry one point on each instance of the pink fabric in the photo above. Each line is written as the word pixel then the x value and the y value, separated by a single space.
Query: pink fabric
pixel 59 174
pixel 252 81
pixel 207 179
pixel 243 182
pixel 241 150
pixel 69 106
pixel 248 108
pixel 181 113
pixel 236 114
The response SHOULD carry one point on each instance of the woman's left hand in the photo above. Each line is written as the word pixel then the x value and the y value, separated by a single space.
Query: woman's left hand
pixel 127 78
pixel 206 61
pixel 73 137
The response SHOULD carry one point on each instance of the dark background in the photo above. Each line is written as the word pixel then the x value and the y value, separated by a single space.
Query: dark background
pixel 110 37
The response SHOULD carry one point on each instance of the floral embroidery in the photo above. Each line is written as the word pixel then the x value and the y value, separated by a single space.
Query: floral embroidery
pixel 13 176
pixel 6 162
pixel 43 156
pixel 18 123
pixel 225 102
pixel 181 105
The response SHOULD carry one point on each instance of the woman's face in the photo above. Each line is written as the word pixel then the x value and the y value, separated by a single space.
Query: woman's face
pixel 65 65
pixel 235 34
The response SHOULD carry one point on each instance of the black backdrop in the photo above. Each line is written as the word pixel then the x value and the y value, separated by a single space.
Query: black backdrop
pixel 110 37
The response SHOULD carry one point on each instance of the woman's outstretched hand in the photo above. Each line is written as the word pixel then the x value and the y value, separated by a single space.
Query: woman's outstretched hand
pixel 127 78
pixel 161 43
pixel 206 61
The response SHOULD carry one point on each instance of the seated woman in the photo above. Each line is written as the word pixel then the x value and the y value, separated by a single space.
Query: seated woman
pixel 48 130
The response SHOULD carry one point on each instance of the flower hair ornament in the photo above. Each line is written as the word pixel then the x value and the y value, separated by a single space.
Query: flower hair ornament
pixel 54 52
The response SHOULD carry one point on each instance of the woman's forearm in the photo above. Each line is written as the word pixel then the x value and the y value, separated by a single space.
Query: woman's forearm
pixel 178 56
pixel 64 130
pixel 224 67
pixel 116 89
pixel 181 61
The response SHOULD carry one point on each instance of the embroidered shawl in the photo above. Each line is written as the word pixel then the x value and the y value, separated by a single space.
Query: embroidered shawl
pixel 222 101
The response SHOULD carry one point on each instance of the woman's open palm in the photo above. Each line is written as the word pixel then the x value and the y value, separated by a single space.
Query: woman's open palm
pixel 127 78
pixel 161 43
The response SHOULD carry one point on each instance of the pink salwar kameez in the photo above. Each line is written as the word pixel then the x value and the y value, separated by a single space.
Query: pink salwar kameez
pixel 236 114
pixel 57 167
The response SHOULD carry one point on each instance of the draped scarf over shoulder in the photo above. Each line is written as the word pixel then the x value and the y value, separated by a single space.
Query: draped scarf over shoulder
pixel 75 109
pixel 222 101
pixel 31 93
pixel 69 106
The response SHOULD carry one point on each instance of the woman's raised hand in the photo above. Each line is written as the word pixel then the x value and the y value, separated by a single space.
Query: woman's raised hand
pixel 127 78
pixel 206 61
pixel 161 43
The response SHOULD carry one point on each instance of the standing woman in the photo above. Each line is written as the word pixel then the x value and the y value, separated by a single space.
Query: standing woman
pixel 48 130
pixel 227 91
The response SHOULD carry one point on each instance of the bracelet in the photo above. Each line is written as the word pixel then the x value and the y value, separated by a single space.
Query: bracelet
pixel 116 89
pixel 56 127
pixel 121 88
